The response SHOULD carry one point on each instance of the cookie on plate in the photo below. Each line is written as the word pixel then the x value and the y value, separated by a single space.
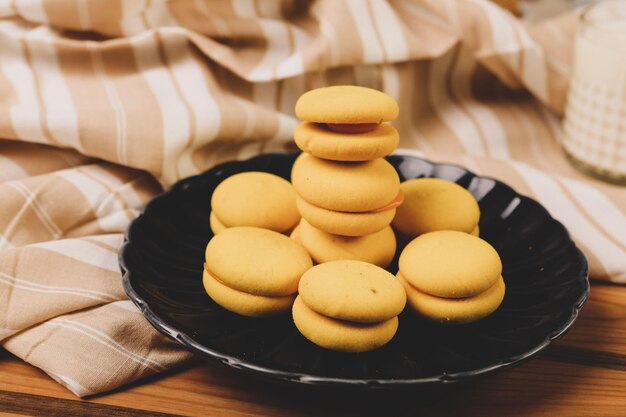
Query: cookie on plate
pixel 377 248
pixel 257 199
pixel 346 104
pixel 253 271
pixel 451 276
pixel 432 204
pixel 344 223
pixel 348 306
pixel 353 187
pixel 455 310
pixel 322 142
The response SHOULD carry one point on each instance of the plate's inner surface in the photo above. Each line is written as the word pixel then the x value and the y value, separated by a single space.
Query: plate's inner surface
pixel 544 273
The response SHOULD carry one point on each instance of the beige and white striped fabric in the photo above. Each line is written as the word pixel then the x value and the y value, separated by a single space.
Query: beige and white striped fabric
pixel 103 102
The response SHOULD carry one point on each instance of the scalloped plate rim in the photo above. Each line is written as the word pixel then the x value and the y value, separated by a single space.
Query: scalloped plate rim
pixel 302 378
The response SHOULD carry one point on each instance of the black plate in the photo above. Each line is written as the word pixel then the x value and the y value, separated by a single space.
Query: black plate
pixel 545 274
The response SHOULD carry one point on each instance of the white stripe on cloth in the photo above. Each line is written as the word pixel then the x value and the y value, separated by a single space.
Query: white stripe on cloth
pixel 174 114
pixel 547 190
pixel 32 10
pixel 132 21
pixel 125 191
pixel 276 35
pixel 330 34
pixel 454 118
pixel 244 8
pixel 599 208
pixel 84 18
pixel 192 84
pixel 114 100
pixel 110 213
pixel 4 243
pixel 391 81
pixel 370 45
pixel 107 341
pixel 389 30
pixel 55 289
pixel 25 114
pixel 534 70
pixel 61 113
pixel 158 14
pixel 84 251
pixel 70 383
pixel 492 131
pixel 31 201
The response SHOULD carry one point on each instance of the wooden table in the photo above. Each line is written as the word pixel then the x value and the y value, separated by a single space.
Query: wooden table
pixel 583 374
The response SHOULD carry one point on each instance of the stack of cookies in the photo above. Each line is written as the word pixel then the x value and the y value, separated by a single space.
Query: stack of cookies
pixel 347 193
pixel 451 277
pixel 348 306
pixel 339 210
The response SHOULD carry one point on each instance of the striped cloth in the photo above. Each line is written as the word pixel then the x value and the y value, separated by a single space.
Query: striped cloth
pixel 103 102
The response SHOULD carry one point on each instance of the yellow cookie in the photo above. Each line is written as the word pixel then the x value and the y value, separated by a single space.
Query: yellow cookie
pixel 352 290
pixel 377 248
pixel 257 261
pixel 256 199
pixel 475 231
pixel 345 186
pixel 341 335
pixel 216 224
pixel 244 303
pixel 342 223
pixel 455 310
pixel 432 204
pixel 450 264
pixel 326 144
pixel 346 104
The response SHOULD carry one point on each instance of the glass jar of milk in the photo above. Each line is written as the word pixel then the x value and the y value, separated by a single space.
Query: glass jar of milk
pixel 595 116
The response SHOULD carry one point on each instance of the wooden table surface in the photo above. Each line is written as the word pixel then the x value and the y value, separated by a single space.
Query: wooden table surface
pixel 582 374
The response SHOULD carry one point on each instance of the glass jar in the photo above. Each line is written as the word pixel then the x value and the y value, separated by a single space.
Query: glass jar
pixel 594 136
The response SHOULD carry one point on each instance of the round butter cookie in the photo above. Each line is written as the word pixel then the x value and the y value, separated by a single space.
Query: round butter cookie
pixel 343 223
pixel 257 261
pixel 345 186
pixel 256 199
pixel 243 303
pixel 346 104
pixel 324 143
pixel 432 204
pixel 450 264
pixel 352 290
pixel 377 248
pixel 339 335
pixel 455 310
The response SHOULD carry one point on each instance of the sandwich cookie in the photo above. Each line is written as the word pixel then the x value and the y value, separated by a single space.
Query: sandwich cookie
pixel 353 187
pixel 377 248
pixel 348 306
pixel 346 198
pixel 257 199
pixel 432 204
pixel 344 223
pixel 322 142
pixel 451 276
pixel 252 271
pixel 346 104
